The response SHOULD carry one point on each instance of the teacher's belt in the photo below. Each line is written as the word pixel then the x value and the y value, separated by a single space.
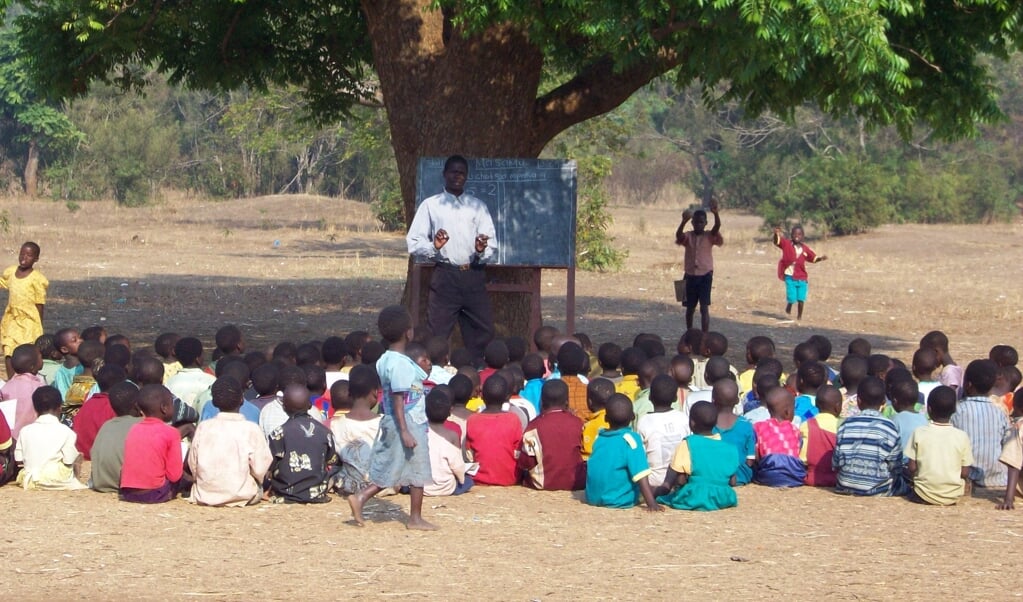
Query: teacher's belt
pixel 465 267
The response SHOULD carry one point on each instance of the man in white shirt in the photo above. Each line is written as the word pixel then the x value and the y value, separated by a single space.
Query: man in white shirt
pixel 454 230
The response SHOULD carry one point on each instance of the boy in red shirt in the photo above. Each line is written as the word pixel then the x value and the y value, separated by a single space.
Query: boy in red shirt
pixel 493 436
pixel 551 451
pixel 153 466
pixel 795 254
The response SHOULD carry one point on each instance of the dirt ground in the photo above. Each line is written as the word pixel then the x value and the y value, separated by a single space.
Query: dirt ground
pixel 299 268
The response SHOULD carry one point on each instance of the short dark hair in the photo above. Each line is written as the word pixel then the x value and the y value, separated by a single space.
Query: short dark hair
pixel 227 394
pixel 333 350
pixel 1004 355
pixel 25 358
pixel 651 344
pixel 354 342
pixel 859 346
pixel 553 394
pixel 438 406
pixel 109 375
pixel 572 360
pixel 823 345
pixel 663 391
pixel 759 347
pixel 495 354
pixel 805 352
pixel 32 247
pixel 543 336
pixel 228 338
pixel 598 391
pixel 517 348
pixel 692 338
pixel 853 369
pixel 122 397
pixel 935 339
pixel 264 379
pixel 609 356
pixel 981 374
pixel 117 354
pixel 904 393
pixel 716 369
pixel 48 347
pixel 437 348
pixel 90 352
pixel 878 364
pixel 632 359
pixel 285 351
pixel 188 350
pixel 362 381
pixel 495 390
pixel 164 345
pixel 341 395
pixel 290 375
pixel 870 392
pixel 704 416
pixel 307 354
pixel 92 333
pixel 46 399
pixel 461 389
pixel 812 375
pixel 315 378
pixel 461 358
pixel 619 411
pixel 455 159
pixel 715 343
pixel 941 402
pixel 533 366
pixel 147 370
pixel 372 351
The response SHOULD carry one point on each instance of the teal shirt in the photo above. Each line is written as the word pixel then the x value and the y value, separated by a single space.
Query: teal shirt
pixel 615 468
pixel 713 463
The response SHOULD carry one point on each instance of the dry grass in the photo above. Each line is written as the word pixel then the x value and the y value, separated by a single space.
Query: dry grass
pixel 195 265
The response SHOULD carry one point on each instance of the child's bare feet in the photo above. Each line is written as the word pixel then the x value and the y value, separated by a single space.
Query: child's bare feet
pixel 418 524
pixel 355 501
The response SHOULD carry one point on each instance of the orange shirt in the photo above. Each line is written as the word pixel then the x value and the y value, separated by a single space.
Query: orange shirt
pixel 577 396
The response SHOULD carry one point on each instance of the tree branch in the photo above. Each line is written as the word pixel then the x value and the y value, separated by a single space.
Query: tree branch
pixel 595 90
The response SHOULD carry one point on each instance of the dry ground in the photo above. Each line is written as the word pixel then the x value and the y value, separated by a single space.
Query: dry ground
pixel 302 268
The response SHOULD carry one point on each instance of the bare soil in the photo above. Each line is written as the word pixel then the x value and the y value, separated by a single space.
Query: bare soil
pixel 300 268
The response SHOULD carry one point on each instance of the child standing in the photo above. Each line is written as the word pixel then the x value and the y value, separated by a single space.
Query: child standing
pixel 792 267
pixel 819 435
pixel 551 454
pixel 868 456
pixel 778 443
pixel 447 466
pixel 355 427
pixel 153 468
pixel 939 454
pixel 47 447
pixel 703 467
pixel 229 455
pixel 616 474
pixel 26 302
pixel 401 454
pixel 492 437
pixel 663 429
pixel 699 261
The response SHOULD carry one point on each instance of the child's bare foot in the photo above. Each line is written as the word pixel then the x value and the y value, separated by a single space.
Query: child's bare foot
pixel 418 524
pixel 356 504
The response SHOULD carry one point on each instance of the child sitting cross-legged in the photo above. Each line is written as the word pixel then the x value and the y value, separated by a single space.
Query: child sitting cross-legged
pixel 153 468
pixel 868 456
pixel 597 393
pixel 229 455
pixel 735 429
pixel 663 429
pixel 108 448
pixel 702 472
pixel 25 360
pixel 355 425
pixel 939 454
pixel 97 410
pixel 493 436
pixel 46 447
pixel 616 474
pixel 819 435
pixel 447 466
pixel 778 463
pixel 304 457
pixel 551 451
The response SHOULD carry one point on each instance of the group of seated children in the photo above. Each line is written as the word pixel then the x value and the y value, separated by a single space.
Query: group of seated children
pixel 355 417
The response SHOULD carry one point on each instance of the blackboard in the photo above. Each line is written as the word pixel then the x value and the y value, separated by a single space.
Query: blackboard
pixel 532 202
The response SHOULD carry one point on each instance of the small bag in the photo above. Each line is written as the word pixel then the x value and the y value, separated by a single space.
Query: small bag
pixel 680 290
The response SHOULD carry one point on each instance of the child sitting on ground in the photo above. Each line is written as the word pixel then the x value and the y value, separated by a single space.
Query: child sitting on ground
pixel 597 393
pixel 852 370
pixel 681 369
pixel 810 377
pixel 84 384
pixel 438 349
pixel 153 469
pixel 702 471
pixel 868 456
pixel 984 422
pixel 574 364
pixel 951 374
pixel 1012 455
pixel 616 473
pixel 108 448
pixel 632 360
pixel 67 342
pixel 264 382
pixel 939 454
pixel 492 437
pixel 1006 383
pixel 229 455
pixel 52 358
pixel 447 467
pixel 47 448
pixel 550 453
pixel 778 443
pixel 818 434
pixel 460 389
pixel 191 380
pixel 164 347
pixel 305 459
pixel 495 356
pixel 334 354
pixel 97 410
pixel 925 362
pixel 533 370
pixel 905 395
pixel 22 321
pixel 355 426
pixel 663 429
pixel 25 360
pixel 757 348
pixel 733 429
pixel 609 356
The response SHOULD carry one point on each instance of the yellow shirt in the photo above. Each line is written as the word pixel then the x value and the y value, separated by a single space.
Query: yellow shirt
pixel 628 386
pixel 591 429
pixel 475 404
pixel 827 422
pixel 21 323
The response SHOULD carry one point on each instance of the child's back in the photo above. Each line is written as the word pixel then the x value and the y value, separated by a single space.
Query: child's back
pixel 708 463
pixel 819 435
pixel 551 451
pixel 778 443
pixel 304 456
pixel 868 456
pixel 984 422
pixel 47 447
pixel 617 471
pixel 663 429
pixel 939 454
pixel 152 465
pixel 108 448
pixel 493 437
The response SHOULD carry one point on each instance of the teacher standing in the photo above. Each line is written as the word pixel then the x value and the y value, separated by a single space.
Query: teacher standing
pixel 455 231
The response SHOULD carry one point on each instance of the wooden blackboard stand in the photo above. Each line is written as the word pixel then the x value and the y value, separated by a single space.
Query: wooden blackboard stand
pixel 500 281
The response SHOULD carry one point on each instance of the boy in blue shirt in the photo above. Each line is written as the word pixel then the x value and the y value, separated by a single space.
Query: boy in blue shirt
pixel 616 474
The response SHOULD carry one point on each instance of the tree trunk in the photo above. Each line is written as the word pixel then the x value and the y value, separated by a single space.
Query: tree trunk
pixel 448 93
pixel 31 176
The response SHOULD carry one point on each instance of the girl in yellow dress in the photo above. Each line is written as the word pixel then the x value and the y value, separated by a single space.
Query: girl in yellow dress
pixel 23 319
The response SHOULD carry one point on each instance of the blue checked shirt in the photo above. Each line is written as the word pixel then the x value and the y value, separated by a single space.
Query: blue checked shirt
pixel 987 426
pixel 867 454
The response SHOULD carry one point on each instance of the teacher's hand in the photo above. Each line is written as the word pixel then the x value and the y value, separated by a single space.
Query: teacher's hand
pixel 481 242
pixel 440 238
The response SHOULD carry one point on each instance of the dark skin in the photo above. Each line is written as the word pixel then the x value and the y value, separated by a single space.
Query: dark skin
pixel 796 236
pixel 673 479
pixel 454 182
pixel 358 500
pixel 699 225
pixel 1013 483
pixel 964 473
pixel 27 258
